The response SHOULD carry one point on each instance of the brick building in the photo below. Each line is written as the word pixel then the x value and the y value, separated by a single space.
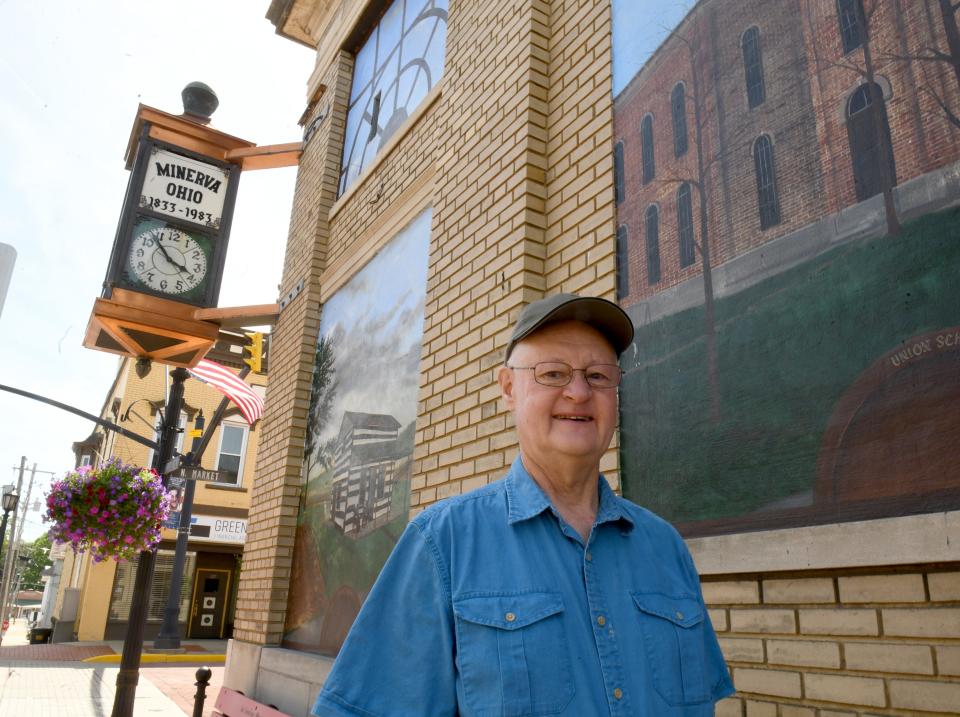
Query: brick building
pixel 92 599
pixel 507 151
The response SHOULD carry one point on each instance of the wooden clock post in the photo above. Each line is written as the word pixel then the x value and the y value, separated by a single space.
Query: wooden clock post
pixel 159 300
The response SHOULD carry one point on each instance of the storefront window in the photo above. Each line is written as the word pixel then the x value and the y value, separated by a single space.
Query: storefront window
pixel 122 594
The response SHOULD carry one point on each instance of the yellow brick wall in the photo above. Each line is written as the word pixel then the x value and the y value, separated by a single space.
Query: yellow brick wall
pixel 483 141
pixel 825 643
pixel 274 503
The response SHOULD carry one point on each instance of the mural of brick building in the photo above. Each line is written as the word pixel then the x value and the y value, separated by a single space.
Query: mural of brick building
pixel 767 103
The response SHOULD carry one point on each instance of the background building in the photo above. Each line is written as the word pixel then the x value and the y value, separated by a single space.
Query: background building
pixel 787 403
pixel 93 599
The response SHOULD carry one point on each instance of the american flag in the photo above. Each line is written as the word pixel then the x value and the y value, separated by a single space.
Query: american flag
pixel 231 386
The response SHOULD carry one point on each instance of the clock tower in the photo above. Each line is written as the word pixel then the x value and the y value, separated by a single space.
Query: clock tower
pixel 159 298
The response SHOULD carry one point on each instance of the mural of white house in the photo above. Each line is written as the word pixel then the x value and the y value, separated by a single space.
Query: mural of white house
pixel 368 455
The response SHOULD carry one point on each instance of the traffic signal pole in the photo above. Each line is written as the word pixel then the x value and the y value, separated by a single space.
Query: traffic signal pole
pixel 169 636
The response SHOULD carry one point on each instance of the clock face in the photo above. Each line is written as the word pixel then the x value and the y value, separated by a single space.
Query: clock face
pixel 168 260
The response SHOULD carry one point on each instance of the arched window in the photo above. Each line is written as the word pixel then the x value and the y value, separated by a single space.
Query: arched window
pixel 868 132
pixel 618 171
pixel 646 148
pixel 767 200
pixel 394 69
pixel 853 28
pixel 685 225
pixel 678 110
pixel 652 225
pixel 623 263
pixel 753 67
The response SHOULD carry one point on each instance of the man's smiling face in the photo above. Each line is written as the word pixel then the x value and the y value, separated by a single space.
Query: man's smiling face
pixel 573 421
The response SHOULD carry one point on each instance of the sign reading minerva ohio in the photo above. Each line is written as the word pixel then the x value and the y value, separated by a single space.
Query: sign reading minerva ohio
pixel 184 188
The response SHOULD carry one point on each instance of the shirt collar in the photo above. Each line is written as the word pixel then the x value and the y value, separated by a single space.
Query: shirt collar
pixel 526 499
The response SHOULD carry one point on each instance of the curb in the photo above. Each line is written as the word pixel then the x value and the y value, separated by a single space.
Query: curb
pixel 194 657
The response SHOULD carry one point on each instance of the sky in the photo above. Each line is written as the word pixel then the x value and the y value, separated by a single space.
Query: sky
pixel 71 77
pixel 639 27
pixel 375 322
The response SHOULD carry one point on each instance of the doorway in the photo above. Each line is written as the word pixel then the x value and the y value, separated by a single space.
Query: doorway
pixel 208 611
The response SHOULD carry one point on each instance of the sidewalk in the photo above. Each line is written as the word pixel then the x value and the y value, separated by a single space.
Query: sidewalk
pixel 78 679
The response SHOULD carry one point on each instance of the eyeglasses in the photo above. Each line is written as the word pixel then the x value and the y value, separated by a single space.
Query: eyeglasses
pixel 557 374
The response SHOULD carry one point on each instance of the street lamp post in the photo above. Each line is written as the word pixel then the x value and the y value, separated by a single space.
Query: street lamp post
pixel 129 673
pixel 10 501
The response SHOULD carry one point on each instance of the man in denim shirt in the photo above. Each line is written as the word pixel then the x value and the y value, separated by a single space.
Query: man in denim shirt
pixel 543 593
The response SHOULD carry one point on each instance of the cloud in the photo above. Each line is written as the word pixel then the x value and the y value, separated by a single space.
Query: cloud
pixel 375 323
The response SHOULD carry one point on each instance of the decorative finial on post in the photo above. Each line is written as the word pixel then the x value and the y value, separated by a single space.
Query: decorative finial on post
pixel 199 102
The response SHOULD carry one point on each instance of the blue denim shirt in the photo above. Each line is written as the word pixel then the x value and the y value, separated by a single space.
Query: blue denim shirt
pixel 491 605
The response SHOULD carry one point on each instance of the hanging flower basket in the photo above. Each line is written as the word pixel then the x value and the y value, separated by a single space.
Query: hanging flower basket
pixel 115 511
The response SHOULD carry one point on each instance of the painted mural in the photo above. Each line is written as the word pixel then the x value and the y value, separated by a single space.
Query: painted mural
pixel 788 245
pixel 360 436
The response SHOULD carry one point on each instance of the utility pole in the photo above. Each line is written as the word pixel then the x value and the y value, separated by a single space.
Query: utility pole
pixel 9 557
pixel 129 674
pixel 11 595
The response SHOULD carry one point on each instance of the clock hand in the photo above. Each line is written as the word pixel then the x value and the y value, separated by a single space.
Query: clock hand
pixel 163 250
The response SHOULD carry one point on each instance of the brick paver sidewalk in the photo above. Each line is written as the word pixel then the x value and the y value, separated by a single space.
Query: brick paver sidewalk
pixel 51 681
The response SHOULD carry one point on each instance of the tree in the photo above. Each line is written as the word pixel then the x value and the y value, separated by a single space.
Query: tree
pixel 323 389
pixel 932 55
pixel 39 553
pixel 699 182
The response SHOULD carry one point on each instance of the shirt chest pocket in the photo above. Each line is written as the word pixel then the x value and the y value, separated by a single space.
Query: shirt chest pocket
pixel 675 641
pixel 512 653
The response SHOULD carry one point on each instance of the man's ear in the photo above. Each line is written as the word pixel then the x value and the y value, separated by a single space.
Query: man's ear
pixel 505 379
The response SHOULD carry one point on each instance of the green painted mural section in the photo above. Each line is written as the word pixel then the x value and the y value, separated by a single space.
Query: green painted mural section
pixel 788 349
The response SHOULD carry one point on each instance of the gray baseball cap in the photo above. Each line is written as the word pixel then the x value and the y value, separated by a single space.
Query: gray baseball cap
pixel 604 316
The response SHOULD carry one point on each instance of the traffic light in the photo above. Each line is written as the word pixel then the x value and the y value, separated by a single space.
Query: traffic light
pixel 255 348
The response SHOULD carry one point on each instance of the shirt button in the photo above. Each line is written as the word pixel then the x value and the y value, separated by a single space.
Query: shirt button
pixel 509 617
pixel 601 621
pixel 589 557
pixel 618 693
pixel 679 615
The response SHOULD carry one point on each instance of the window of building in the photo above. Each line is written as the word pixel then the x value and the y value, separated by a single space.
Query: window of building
pixel 623 263
pixel 753 67
pixel 769 203
pixel 868 132
pixel 652 225
pixel 685 224
pixel 233 443
pixel 393 71
pixel 122 594
pixel 85 459
pixel 618 171
pixel 646 148
pixel 678 110
pixel 853 29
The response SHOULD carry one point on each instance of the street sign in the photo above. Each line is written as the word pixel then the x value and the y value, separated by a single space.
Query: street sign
pixel 171 465
pixel 202 474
